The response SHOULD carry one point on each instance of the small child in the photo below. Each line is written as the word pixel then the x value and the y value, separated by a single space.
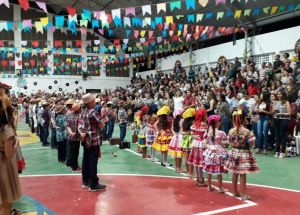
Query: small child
pixel 142 136
pixel 175 149
pixel 196 158
pixel 162 141
pixel 240 160
pixel 151 135
pixel 186 140
pixel 138 119
pixel 215 155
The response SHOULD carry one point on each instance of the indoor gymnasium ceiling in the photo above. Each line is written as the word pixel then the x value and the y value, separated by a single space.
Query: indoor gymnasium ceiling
pixel 59 7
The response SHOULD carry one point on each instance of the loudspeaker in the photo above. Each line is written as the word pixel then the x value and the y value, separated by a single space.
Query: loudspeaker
pixel 124 145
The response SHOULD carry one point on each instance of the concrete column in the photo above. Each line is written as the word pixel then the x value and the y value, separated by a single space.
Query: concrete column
pixel 17 34
pixel 50 44
pixel 84 54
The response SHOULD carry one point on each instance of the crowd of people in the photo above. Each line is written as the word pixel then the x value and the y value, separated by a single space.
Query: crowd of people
pixel 192 116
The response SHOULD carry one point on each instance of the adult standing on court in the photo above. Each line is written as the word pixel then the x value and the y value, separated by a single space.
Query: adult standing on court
pixel 90 126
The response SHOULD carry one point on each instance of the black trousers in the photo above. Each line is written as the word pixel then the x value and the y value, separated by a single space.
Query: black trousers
pixel 89 165
pixel 61 151
pixel 281 134
pixel 74 152
pixel 68 153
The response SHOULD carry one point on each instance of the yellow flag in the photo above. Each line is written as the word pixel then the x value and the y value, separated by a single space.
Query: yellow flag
pixel 44 21
pixel 143 33
pixel 238 14
pixel 169 19
pixel 274 10
pixel 39 27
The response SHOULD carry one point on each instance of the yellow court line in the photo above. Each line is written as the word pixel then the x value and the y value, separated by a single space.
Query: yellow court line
pixel 26 137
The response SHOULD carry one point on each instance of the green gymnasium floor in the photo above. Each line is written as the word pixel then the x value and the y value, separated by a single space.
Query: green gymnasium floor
pixel 281 173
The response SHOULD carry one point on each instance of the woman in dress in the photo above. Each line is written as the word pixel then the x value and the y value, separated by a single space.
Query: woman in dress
pixel 240 159
pixel 10 189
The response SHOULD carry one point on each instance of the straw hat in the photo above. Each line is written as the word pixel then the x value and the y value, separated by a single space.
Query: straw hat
pixel 98 100
pixel 190 112
pixel 4 86
pixel 87 98
pixel 75 107
pixel 32 100
pixel 165 110
pixel 70 102
pixel 38 100
pixel 60 108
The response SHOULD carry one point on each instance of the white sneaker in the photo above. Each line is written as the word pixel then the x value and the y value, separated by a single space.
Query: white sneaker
pixel 154 159
pixel 282 155
pixel 276 155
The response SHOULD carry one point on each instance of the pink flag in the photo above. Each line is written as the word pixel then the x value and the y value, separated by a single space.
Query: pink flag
pixel 27 23
pixel 101 31
pixel 5 2
pixel 42 5
pixel 130 10
pixel 150 34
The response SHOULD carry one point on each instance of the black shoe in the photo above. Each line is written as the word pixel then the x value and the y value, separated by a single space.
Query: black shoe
pixel 162 164
pixel 97 187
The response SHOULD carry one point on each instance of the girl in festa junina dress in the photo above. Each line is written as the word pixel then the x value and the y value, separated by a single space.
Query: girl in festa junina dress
pixel 151 134
pixel 175 149
pixel 196 158
pixel 165 134
pixel 240 160
pixel 215 154
pixel 186 140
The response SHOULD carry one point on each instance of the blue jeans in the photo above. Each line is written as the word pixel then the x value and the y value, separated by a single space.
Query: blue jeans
pixel 254 129
pixel 262 132
pixel 110 128
pixel 225 126
pixel 123 127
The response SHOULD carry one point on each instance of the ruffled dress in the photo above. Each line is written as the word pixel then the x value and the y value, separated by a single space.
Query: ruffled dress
pixel 175 149
pixel 186 141
pixel 162 141
pixel 196 156
pixel 240 158
pixel 215 155
pixel 150 135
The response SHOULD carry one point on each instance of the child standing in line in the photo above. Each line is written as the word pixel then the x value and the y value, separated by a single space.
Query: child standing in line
pixel 186 141
pixel 196 158
pixel 151 135
pixel 163 126
pixel 241 160
pixel 215 154
pixel 138 119
pixel 142 136
pixel 175 149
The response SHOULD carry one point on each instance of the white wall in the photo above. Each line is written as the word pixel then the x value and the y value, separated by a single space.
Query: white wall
pixel 44 82
pixel 273 42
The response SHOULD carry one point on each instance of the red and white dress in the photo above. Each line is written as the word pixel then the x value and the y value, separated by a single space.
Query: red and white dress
pixel 196 157
pixel 215 155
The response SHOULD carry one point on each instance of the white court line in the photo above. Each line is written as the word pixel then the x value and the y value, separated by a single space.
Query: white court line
pixel 27 149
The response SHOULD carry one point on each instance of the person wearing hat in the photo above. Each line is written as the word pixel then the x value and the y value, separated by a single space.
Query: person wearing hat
pixel 61 136
pixel 52 125
pixel 73 135
pixel 165 134
pixel 122 117
pixel 186 140
pixel 69 103
pixel 45 122
pixel 32 114
pixel 10 189
pixel 90 125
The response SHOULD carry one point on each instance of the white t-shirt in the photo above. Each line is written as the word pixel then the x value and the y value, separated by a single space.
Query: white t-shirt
pixel 178 102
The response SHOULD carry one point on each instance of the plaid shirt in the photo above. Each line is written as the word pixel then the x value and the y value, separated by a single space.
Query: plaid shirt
pixel 90 123
pixel 60 128
pixel 72 123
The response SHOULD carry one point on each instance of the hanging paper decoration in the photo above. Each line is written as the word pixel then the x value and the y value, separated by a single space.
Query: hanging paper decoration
pixel 86 15
pixel 175 4
pixel 35 43
pixel 42 5
pixel 220 2
pixel 5 2
pixel 203 3
pixel 146 9
pixel 78 43
pixel 24 4
pixel 190 4
pixel 161 7
pixel 130 10
pixel 59 21
pixel 71 11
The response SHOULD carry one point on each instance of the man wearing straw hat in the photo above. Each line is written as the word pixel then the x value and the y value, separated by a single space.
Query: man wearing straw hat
pixel 90 131
pixel 73 135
